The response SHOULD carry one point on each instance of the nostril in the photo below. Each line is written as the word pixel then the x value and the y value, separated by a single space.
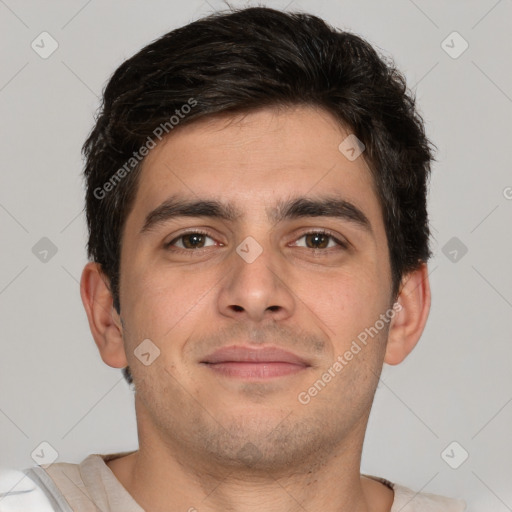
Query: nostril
pixel 273 308
pixel 237 308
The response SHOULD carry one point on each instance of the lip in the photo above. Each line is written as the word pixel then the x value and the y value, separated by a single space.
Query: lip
pixel 250 363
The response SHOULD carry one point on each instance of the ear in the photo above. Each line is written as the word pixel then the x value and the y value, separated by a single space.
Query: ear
pixel 104 321
pixel 413 306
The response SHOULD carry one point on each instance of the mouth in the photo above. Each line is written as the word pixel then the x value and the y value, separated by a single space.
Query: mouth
pixel 250 363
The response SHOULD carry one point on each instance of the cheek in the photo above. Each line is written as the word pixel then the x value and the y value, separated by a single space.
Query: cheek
pixel 164 307
pixel 159 300
pixel 342 299
pixel 347 305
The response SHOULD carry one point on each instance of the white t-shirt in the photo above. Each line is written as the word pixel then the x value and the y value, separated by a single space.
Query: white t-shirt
pixel 91 487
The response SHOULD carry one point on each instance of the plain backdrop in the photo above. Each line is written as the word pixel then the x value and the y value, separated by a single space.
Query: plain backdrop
pixel 450 399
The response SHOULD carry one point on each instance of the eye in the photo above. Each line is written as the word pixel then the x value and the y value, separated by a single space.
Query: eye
pixel 192 240
pixel 319 240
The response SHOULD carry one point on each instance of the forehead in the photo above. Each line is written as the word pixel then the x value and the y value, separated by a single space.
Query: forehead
pixel 255 160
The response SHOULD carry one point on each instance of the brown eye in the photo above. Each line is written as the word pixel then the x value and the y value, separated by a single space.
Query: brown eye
pixel 319 240
pixel 193 240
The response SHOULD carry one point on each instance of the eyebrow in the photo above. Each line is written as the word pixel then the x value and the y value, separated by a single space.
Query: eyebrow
pixel 295 208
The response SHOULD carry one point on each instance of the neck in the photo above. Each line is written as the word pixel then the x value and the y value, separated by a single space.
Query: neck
pixel 166 475
pixel 162 482
pixel 181 488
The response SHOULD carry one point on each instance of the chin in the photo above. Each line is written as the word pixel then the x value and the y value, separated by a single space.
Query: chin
pixel 267 443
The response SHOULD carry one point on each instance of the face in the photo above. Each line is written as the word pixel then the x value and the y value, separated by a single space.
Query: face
pixel 253 259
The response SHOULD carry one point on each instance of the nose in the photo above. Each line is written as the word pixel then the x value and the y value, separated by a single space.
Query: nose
pixel 256 289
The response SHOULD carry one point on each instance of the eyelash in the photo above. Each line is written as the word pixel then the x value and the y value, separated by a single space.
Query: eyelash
pixel 341 243
pixel 326 232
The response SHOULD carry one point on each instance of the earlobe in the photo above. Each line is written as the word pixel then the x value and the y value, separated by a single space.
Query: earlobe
pixel 409 322
pixel 104 322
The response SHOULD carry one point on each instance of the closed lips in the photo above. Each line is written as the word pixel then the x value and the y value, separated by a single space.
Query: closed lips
pixel 234 354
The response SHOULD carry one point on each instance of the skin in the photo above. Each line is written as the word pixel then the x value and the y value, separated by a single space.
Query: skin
pixel 221 443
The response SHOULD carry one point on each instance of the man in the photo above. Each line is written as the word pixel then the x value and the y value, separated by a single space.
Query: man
pixel 256 204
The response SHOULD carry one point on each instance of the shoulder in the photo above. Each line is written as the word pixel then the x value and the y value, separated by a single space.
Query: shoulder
pixel 49 489
pixel 408 500
pixel 19 492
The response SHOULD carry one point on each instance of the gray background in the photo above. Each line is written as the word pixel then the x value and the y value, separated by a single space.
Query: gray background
pixel 455 386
